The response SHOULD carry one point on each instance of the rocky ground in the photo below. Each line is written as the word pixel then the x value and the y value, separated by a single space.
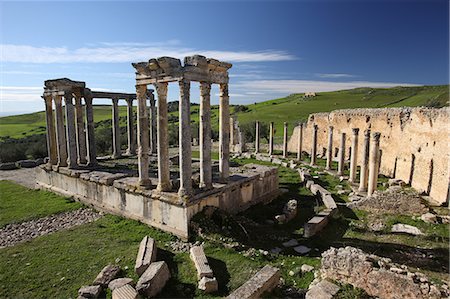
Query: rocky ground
pixel 23 176
pixel 12 234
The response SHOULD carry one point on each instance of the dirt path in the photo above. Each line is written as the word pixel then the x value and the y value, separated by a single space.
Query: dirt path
pixel 23 176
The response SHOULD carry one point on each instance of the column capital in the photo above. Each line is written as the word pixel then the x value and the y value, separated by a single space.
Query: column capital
pixel 129 101
pixel 367 133
pixel 330 128
pixel 68 97
pixel 47 98
pixel 315 127
pixel 58 99
pixel 115 101
pixel 355 131
pixel 376 136
pixel 205 88
pixel 223 87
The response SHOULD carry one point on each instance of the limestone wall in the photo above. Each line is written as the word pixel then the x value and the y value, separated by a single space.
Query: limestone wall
pixel 414 142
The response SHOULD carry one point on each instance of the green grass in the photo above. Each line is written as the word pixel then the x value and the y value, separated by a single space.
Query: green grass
pixel 214 155
pixel 293 108
pixel 18 203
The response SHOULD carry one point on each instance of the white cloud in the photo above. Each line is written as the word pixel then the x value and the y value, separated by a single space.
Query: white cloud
pixel 20 88
pixel 298 86
pixel 335 75
pixel 119 53
pixel 20 93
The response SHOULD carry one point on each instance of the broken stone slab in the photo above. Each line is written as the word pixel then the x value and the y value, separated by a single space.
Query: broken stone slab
pixel 26 163
pixel 208 285
pixel 264 281
pixel 201 262
pixel 125 292
pixel 153 279
pixel 119 282
pixel 406 229
pixel 302 249
pixel 306 268
pixel 107 274
pixel 429 218
pixel 276 250
pixel 290 243
pixel 309 183
pixel 322 290
pixel 314 225
pixel 329 202
pixel 90 291
pixel 146 255
pixel 276 161
pixel 316 189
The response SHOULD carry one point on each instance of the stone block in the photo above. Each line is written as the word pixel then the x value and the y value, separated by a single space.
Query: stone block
pixel 90 291
pixel 119 282
pixel 107 274
pixel 406 229
pixel 309 183
pixel 8 166
pixel 146 255
pixel 201 262
pixel 263 281
pixel 329 202
pixel 208 285
pixel 153 279
pixel 125 292
pixel 26 163
pixel 314 225
pixel 322 290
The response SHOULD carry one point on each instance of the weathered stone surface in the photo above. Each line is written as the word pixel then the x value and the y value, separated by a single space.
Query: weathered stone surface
pixel 322 290
pixel 107 274
pixel 429 218
pixel 376 275
pixel 208 285
pixel 396 182
pixel 314 225
pixel 154 279
pixel 119 282
pixel 125 292
pixel 406 229
pixel 309 183
pixel 90 291
pixel 306 268
pixel 201 262
pixel 302 249
pixel 146 255
pixel 263 281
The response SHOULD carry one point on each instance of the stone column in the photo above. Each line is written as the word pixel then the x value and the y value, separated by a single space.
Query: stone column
pixel 115 129
pixel 163 139
pixel 300 142
pixel 272 131
pixel 373 163
pixel 141 96
pixel 330 148
pixel 224 132
pixel 81 135
pixel 341 160
pixel 185 142
pixel 285 140
pixel 364 173
pixel 91 150
pixel 60 132
pixel 314 145
pixel 257 137
pixel 354 155
pixel 205 136
pixel 153 121
pixel 232 134
pixel 51 133
pixel 131 150
pixel 71 131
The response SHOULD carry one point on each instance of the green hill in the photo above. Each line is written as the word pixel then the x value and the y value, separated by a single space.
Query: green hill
pixel 293 108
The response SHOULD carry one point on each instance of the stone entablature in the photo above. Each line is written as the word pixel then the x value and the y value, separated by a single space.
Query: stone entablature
pixel 413 143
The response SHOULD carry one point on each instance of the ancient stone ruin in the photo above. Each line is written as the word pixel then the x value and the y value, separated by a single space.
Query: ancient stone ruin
pixel 169 200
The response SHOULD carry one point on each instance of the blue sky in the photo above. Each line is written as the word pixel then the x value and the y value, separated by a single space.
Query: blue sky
pixel 276 47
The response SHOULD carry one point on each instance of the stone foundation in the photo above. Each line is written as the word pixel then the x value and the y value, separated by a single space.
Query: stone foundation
pixel 120 194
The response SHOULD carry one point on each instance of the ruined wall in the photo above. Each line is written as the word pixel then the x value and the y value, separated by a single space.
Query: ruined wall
pixel 414 142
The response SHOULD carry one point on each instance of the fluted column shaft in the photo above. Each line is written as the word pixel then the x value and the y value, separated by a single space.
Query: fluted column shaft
pixel 330 148
pixel 205 136
pixel 51 132
pixel 60 132
pixel 163 139
pixel 272 131
pixel 341 160
pixel 185 142
pixel 373 163
pixel 116 129
pixel 153 124
pixel 314 145
pixel 91 149
pixel 224 131
pixel 71 131
pixel 257 137
pixel 131 150
pixel 285 140
pixel 354 155
pixel 300 142
pixel 81 135
pixel 141 96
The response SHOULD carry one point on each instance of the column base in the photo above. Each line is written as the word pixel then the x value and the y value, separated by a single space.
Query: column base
pixel 164 187
pixel 145 183
pixel 184 193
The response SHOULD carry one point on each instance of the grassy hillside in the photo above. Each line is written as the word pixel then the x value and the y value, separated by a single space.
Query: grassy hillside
pixel 293 108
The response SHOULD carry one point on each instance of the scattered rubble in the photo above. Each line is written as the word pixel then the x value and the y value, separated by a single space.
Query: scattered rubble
pixel 153 279
pixel 264 281
pixel 289 212
pixel 322 290
pixel 108 274
pixel 89 292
